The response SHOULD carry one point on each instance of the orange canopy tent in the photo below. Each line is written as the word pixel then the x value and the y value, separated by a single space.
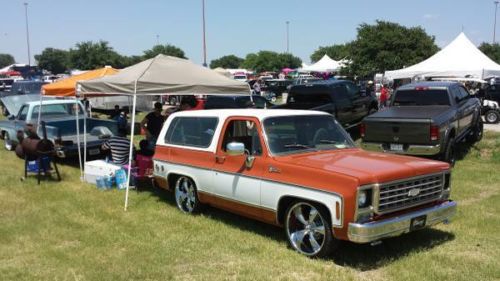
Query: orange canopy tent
pixel 66 87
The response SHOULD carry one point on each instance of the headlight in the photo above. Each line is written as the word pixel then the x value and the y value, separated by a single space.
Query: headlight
pixel 364 198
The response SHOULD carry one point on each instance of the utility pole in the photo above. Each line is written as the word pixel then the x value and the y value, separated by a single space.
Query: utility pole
pixel 157 39
pixel 287 37
pixel 204 40
pixel 495 22
pixel 27 32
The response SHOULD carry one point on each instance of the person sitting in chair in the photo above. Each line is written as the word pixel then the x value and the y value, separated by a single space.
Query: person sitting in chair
pixel 119 146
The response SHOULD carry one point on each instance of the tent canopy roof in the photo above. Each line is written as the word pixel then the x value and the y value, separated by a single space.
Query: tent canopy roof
pixel 66 87
pixel 164 75
pixel 325 64
pixel 458 59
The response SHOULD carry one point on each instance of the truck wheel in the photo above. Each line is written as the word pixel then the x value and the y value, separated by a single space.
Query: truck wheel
pixel 8 143
pixel 186 196
pixel 492 116
pixel 449 154
pixel 308 229
pixel 477 132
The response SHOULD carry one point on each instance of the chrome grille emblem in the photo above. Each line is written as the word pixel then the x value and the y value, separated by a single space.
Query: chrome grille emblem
pixel 413 192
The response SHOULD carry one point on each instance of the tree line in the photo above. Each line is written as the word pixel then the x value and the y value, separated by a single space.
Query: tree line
pixel 377 47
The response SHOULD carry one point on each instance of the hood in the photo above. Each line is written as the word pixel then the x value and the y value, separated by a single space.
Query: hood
pixel 411 112
pixel 367 167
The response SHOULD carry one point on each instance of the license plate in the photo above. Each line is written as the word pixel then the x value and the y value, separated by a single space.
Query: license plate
pixel 418 222
pixel 396 147
pixel 94 151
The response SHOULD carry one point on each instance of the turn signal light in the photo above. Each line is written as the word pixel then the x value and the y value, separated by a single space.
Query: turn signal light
pixel 434 133
pixel 362 130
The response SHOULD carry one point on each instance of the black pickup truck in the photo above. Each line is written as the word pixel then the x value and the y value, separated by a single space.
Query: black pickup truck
pixel 426 118
pixel 341 98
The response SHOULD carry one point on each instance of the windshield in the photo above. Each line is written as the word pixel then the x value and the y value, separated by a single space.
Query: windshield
pixel 291 134
pixel 57 110
pixel 421 97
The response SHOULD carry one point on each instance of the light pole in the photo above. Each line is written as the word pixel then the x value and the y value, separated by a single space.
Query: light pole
pixel 495 24
pixel 27 32
pixel 204 41
pixel 287 37
pixel 157 39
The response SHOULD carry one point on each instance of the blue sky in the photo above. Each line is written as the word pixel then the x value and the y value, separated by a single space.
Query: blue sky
pixel 233 27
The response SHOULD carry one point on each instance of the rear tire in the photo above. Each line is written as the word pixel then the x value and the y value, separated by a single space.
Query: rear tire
pixel 492 116
pixel 449 154
pixel 186 195
pixel 8 143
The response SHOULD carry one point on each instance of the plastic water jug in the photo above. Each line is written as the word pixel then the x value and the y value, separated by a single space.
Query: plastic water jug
pixel 121 179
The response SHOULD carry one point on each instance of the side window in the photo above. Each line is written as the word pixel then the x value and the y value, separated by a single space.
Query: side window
pixel 463 94
pixel 23 113
pixel 192 131
pixel 340 92
pixel 243 131
pixel 352 90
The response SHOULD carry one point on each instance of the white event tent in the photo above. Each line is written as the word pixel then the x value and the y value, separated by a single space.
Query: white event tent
pixel 325 64
pixel 460 58
pixel 159 76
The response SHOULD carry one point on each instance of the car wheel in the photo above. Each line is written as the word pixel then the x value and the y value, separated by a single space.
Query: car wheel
pixel 449 154
pixel 308 229
pixel 492 116
pixel 273 99
pixel 8 143
pixel 186 196
pixel 477 132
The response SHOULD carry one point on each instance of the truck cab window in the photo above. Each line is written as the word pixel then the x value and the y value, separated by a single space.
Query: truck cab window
pixel 23 113
pixel 243 131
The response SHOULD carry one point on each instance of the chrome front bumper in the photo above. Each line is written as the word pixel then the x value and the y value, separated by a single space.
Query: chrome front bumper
pixel 413 149
pixel 373 231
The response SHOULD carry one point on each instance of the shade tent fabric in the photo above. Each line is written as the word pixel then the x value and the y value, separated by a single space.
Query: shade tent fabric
pixel 66 87
pixel 161 75
pixel 325 64
pixel 460 58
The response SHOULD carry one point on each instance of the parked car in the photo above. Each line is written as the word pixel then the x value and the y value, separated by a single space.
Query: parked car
pixel 491 111
pixel 60 119
pixel 341 98
pixel 427 118
pixel 221 102
pixel 276 86
pixel 299 170
pixel 27 87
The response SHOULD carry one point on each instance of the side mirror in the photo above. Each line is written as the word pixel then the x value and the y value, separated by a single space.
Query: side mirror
pixel 235 148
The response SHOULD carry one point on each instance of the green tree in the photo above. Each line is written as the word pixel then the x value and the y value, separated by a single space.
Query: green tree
pixel 270 61
pixel 6 59
pixel 336 52
pixel 169 50
pixel 491 50
pixel 386 46
pixel 90 55
pixel 53 60
pixel 126 61
pixel 230 61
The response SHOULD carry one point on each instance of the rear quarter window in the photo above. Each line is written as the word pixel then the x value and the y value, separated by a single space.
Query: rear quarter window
pixel 192 131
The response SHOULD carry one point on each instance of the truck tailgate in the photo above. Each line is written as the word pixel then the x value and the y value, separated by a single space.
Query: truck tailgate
pixel 405 131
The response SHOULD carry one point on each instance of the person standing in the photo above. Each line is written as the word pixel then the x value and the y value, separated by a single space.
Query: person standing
pixel 152 124
pixel 256 87
pixel 384 95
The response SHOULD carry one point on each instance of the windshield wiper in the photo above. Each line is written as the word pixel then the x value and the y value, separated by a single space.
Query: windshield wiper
pixel 297 145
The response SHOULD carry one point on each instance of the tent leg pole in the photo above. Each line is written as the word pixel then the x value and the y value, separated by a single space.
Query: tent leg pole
pixel 78 139
pixel 130 151
pixel 84 138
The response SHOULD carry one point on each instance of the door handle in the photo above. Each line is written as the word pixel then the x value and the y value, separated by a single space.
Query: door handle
pixel 220 159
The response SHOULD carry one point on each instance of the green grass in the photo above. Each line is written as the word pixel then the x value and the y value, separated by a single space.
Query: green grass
pixel 71 231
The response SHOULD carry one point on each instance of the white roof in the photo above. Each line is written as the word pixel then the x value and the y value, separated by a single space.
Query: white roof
pixel 260 114
pixel 325 64
pixel 458 59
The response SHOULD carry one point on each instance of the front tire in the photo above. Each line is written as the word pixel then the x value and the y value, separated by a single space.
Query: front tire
pixel 186 195
pixel 477 132
pixel 308 229
pixel 492 116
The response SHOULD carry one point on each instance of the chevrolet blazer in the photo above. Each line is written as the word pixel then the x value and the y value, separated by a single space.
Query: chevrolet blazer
pixel 299 170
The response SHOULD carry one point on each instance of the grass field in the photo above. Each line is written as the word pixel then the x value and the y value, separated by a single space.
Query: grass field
pixel 71 231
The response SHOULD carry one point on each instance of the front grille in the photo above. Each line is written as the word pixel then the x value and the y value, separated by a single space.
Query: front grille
pixel 408 193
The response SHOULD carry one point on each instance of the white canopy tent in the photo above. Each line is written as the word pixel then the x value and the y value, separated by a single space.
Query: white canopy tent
pixel 158 76
pixel 325 64
pixel 460 58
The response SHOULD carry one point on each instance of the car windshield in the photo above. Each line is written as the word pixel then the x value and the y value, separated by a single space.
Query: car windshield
pixel 300 133
pixel 421 97
pixel 58 110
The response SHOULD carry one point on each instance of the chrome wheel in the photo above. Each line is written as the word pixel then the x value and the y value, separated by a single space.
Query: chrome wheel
pixel 7 142
pixel 492 117
pixel 185 195
pixel 307 229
